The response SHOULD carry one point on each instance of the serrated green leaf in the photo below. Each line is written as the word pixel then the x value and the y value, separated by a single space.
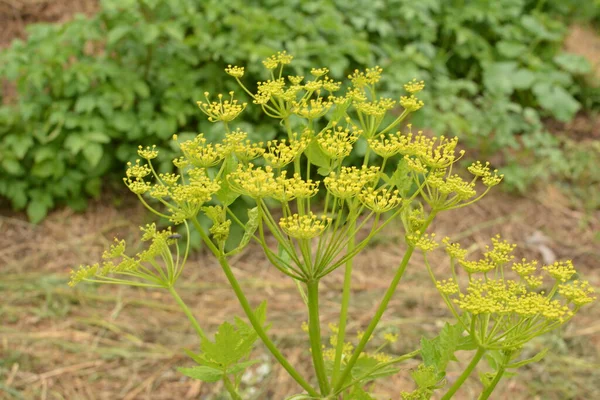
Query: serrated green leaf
pixel 229 347
pixel 202 373
pixel 239 367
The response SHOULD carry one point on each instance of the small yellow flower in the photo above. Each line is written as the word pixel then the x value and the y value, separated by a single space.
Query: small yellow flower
pixel 148 153
pixel 350 181
pixel 223 110
pixel 253 182
pixel 236 72
pixel 380 200
pixel 281 153
pixel 137 171
pixel 414 86
pixel 311 109
pixel 579 292
pixel 411 103
pixel 424 242
pixel 454 250
pixel 318 72
pixel 391 337
pixel 562 271
pixel 304 226
pixel 137 186
pixel 338 142
pixel 447 287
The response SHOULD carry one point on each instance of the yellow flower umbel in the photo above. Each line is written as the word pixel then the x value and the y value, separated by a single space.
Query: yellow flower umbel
pixel 304 226
pixel 153 267
pixel 503 312
pixel 223 110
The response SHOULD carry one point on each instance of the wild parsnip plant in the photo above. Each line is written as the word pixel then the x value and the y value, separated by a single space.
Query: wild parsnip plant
pixel 497 308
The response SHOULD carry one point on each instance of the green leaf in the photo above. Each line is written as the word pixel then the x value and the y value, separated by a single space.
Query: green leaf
pixel 93 153
pixel 318 158
pixel 202 373
pixel 401 178
pixel 98 137
pixel 497 77
pixel 250 227
pixel 556 100
pixel 75 143
pixel 511 49
pixel 117 34
pixel 225 195
pixel 229 347
pixel 523 79
pixel 239 367
pixel 438 352
pixel 37 209
pixel 12 166
pixel 573 63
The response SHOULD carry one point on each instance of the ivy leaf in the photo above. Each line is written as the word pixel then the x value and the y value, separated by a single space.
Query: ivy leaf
pixel 202 373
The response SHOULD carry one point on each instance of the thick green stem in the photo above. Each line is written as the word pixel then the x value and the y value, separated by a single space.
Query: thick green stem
pixel 341 336
pixel 231 389
pixel 260 330
pixel 488 391
pixel 314 332
pixel 380 310
pixel 187 312
pixel 237 289
pixel 466 373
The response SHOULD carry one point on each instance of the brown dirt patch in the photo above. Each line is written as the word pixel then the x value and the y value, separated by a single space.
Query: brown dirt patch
pixel 585 41
pixel 15 15
pixel 124 343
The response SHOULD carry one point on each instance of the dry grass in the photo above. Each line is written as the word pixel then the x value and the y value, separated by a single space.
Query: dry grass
pixel 123 343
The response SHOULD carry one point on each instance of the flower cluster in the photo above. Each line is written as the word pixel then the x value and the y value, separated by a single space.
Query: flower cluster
pixel 152 267
pixel 504 312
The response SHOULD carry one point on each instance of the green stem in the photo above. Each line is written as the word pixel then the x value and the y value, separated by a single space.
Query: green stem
pixel 231 389
pixel 380 310
pixel 488 391
pixel 466 373
pixel 314 331
pixel 250 313
pixel 260 330
pixel 187 312
pixel 341 336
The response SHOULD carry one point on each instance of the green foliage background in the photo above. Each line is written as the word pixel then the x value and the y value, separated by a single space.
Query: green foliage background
pixel 92 89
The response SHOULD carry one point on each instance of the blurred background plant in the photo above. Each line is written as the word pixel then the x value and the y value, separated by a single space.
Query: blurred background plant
pixel 89 90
